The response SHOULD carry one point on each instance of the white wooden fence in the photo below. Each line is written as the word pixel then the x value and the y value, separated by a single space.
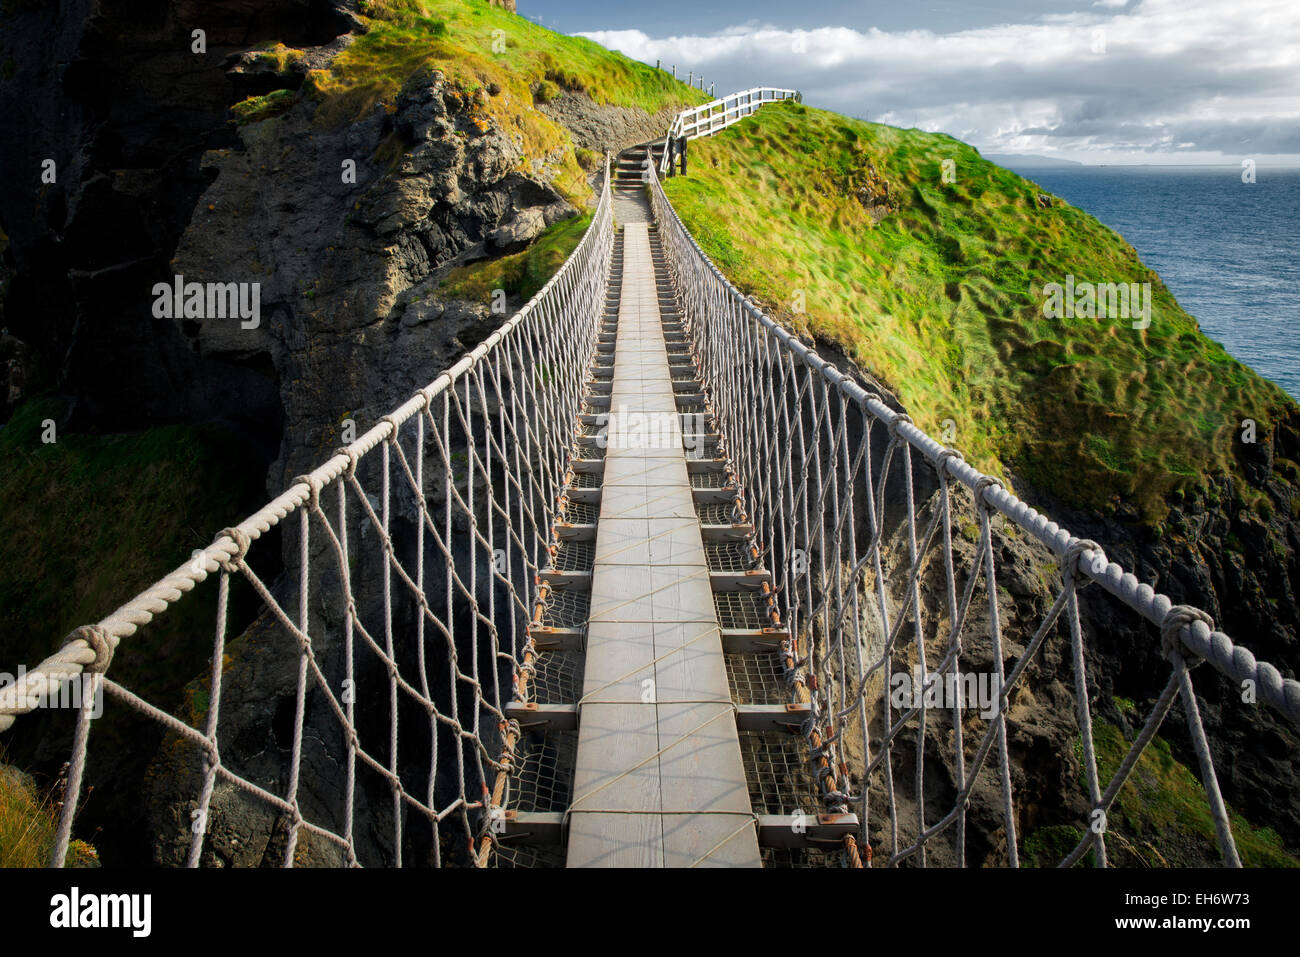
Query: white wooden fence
pixel 719 114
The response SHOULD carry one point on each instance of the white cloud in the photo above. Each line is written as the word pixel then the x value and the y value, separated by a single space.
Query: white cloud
pixel 1156 77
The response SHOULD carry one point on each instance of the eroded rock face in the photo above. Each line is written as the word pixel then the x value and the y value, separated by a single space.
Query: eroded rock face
pixel 599 128
pixel 348 271
pixel 112 92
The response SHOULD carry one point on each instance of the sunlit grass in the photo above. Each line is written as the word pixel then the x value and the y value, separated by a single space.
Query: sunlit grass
pixel 520 274
pixel 942 301
pixel 500 63
pixel 28 821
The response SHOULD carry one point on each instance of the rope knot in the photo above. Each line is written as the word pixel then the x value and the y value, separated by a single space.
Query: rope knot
pixel 896 422
pixel 392 436
pixel 240 538
pixel 1171 640
pixel 984 483
pixel 946 454
pixel 351 455
pixel 1074 552
pixel 98 642
pixel 313 485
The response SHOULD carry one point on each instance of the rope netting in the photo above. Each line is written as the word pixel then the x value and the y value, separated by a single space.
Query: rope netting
pixel 862 516
pixel 413 557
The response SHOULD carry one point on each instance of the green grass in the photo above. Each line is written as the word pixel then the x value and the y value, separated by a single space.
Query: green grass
pixel 257 108
pixel 1160 818
pixel 519 274
pixel 91 520
pixel 28 820
pixel 941 299
pixel 1162 808
pixel 500 63
pixel 1048 846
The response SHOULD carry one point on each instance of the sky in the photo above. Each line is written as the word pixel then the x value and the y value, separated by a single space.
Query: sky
pixel 1111 81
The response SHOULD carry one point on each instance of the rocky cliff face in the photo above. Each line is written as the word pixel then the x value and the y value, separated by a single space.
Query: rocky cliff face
pixel 1242 566
pixel 111 93
pixel 154 179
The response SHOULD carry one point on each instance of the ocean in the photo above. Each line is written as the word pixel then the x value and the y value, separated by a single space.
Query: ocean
pixel 1229 251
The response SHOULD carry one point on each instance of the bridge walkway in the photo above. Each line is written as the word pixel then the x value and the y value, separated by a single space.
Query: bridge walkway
pixel 657 734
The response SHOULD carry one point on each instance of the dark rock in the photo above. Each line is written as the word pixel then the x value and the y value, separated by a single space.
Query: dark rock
pixel 606 128
pixel 20 373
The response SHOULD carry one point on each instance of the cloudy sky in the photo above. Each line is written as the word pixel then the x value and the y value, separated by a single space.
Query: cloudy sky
pixel 1113 81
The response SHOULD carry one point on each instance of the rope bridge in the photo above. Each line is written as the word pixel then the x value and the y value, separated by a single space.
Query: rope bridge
pixel 425 584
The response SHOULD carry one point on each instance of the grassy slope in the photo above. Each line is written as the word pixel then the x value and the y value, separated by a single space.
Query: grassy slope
pixel 502 63
pixel 942 301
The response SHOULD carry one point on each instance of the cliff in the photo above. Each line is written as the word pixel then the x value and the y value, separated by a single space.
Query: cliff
pixel 376 169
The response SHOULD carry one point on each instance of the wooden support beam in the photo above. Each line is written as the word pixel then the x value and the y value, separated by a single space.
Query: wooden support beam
pixel 805 830
pixel 578 581
pixel 788 831
pixel 737 641
pixel 752 580
pixel 557 639
pixel 772 717
pixel 553 717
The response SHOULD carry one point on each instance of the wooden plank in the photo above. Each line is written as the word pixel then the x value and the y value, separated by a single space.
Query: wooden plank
pixel 701 769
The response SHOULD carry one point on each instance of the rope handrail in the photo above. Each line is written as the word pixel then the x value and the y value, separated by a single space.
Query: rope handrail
pixel 802 479
pixel 493 425
pixel 69 661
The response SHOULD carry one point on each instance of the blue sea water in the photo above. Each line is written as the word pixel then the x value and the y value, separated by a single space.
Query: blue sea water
pixel 1229 251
